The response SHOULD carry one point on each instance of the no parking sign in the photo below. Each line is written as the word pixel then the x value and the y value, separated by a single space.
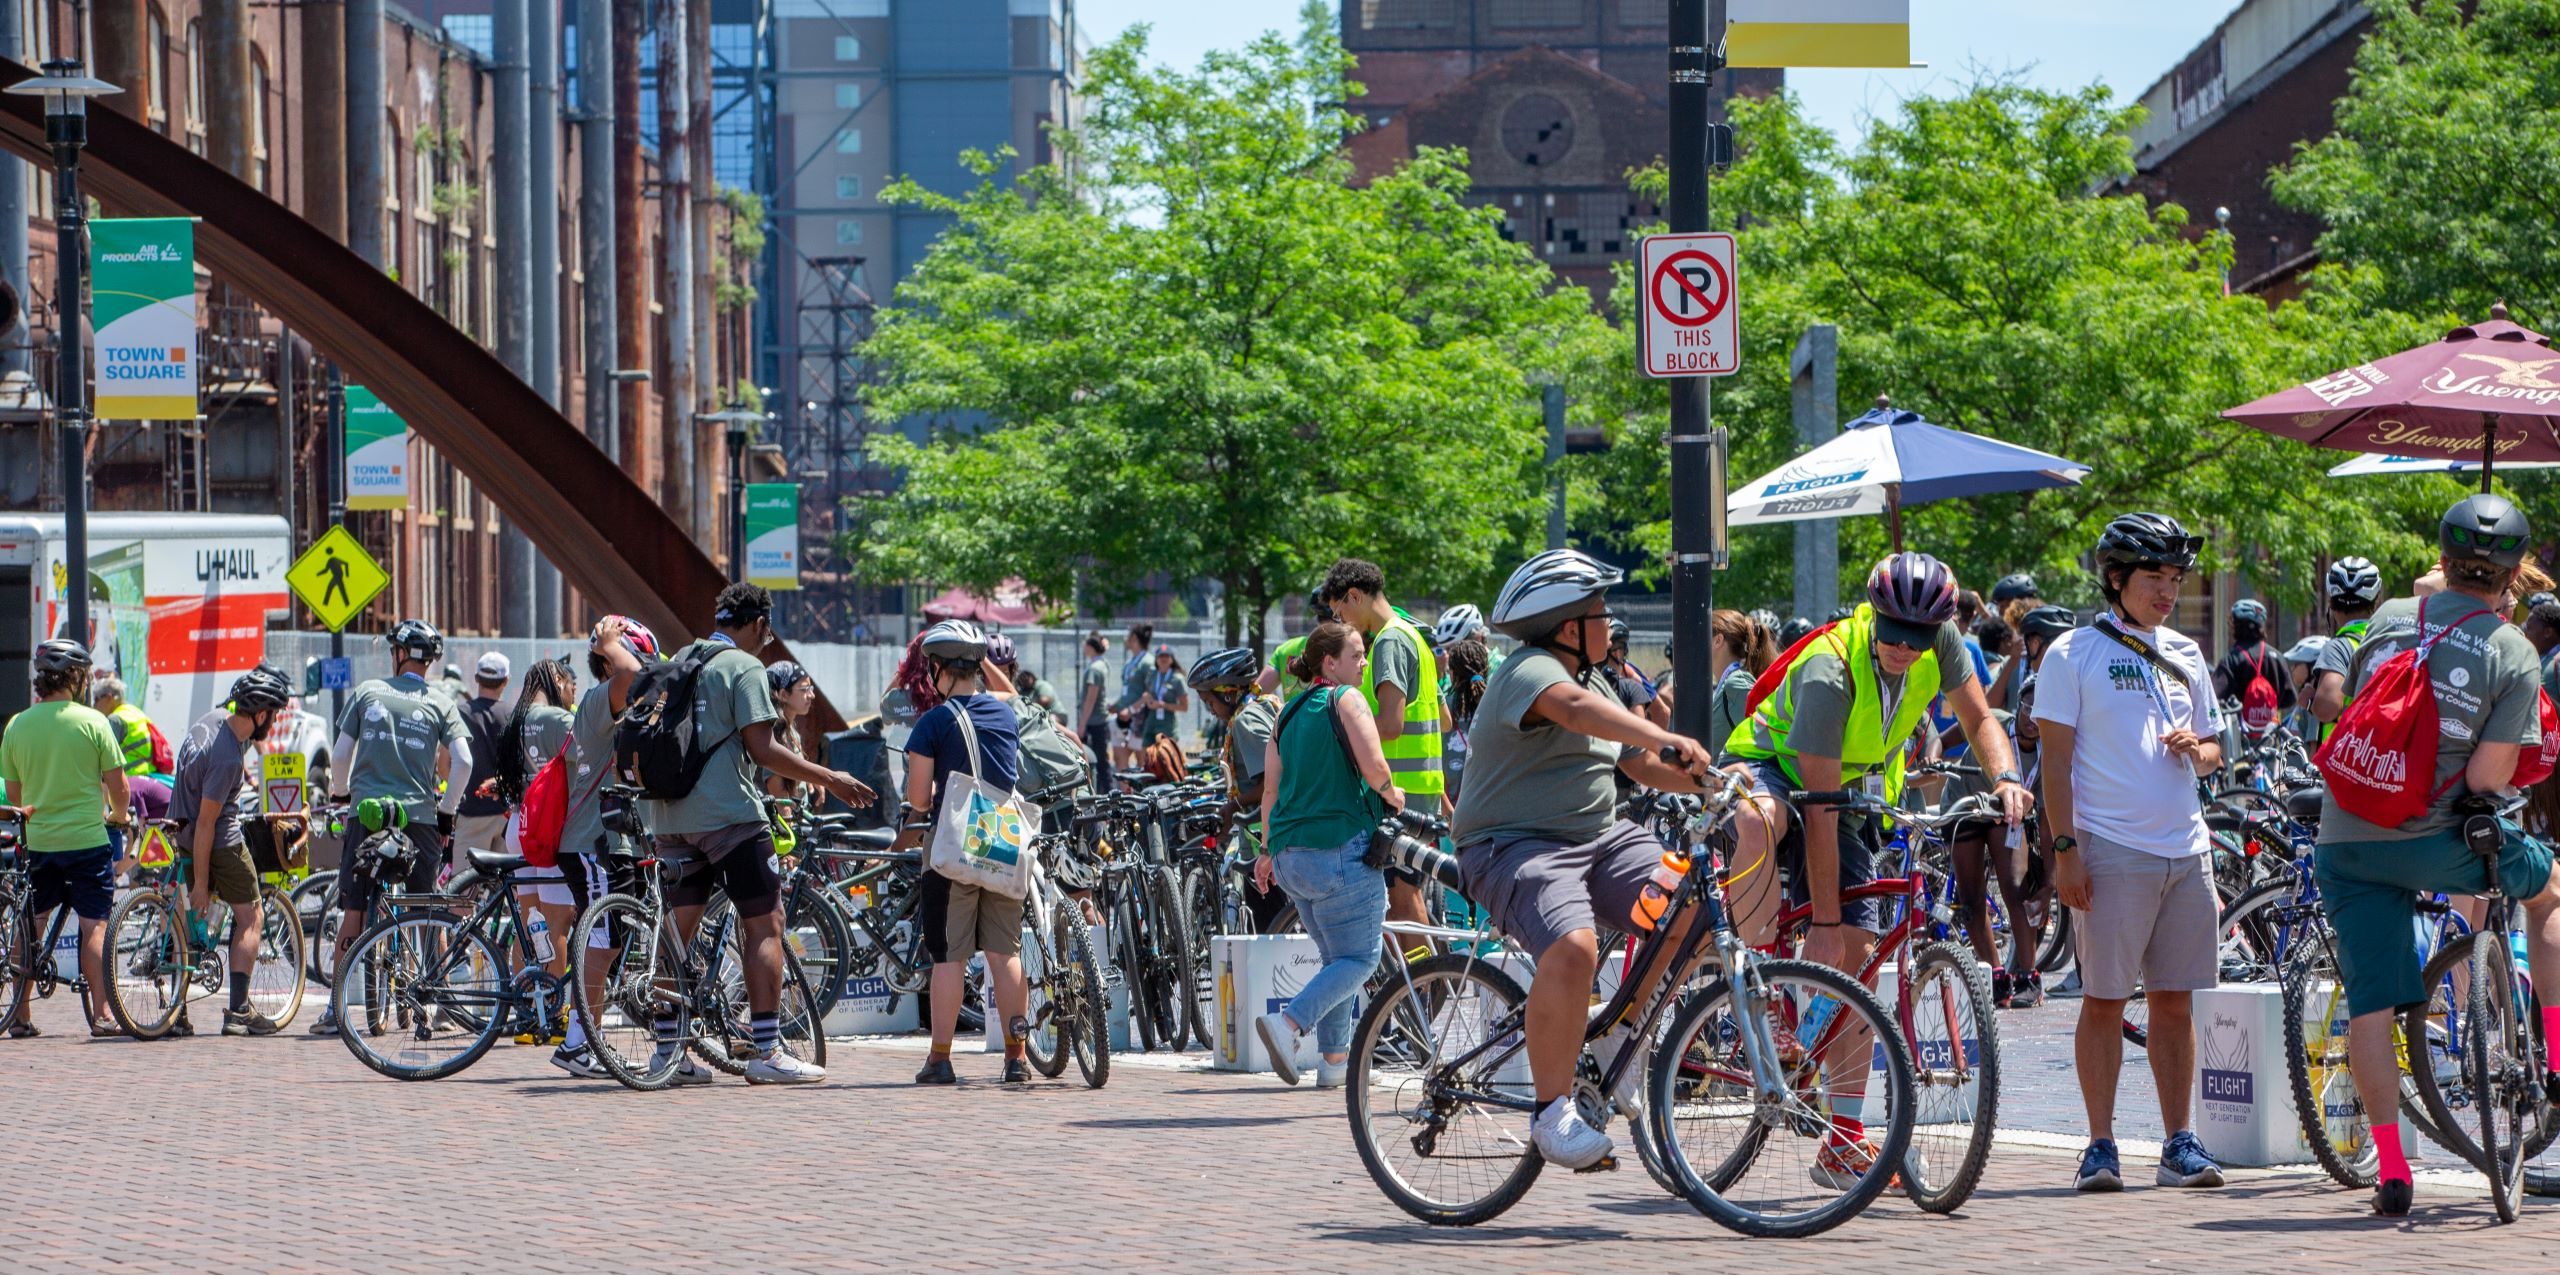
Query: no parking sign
pixel 1691 306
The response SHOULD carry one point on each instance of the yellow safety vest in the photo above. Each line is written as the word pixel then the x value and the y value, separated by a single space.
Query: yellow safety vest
pixel 133 734
pixel 1413 758
pixel 1870 742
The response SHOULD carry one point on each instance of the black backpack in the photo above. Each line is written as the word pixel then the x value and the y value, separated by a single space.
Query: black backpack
pixel 654 741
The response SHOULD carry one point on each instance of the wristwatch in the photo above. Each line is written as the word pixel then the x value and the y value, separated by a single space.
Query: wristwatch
pixel 2065 844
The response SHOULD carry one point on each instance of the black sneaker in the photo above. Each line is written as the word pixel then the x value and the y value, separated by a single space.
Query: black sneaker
pixel 2000 987
pixel 248 1022
pixel 1017 1072
pixel 2391 1198
pixel 937 1071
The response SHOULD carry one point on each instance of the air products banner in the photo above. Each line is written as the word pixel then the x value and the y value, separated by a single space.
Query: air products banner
pixel 377 453
pixel 143 281
pixel 773 535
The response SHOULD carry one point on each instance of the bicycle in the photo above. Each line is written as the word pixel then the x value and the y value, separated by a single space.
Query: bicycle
pixel 30 965
pixel 425 993
pixel 1141 905
pixel 161 955
pixel 1069 1003
pixel 1440 1096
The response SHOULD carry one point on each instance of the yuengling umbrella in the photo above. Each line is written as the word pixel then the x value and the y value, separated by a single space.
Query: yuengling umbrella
pixel 1887 459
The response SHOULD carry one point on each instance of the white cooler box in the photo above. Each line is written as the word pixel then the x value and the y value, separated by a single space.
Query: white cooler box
pixel 865 1010
pixel 1254 975
pixel 2244 1103
pixel 1116 1010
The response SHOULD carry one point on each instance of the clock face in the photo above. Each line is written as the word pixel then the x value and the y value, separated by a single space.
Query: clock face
pixel 1537 130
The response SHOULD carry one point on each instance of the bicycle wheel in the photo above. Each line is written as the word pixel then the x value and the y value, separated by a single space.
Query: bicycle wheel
pixel 1176 999
pixel 1086 1030
pixel 310 899
pixel 149 964
pixel 2249 933
pixel 1789 1165
pixel 2501 1060
pixel 2058 946
pixel 642 971
pixel 2334 1122
pixel 277 982
pixel 804 1033
pixel 17 958
pixel 816 933
pixel 1439 1092
pixel 2437 1094
pixel 724 1032
pixel 1204 904
pixel 422 996
pixel 1044 967
pixel 1128 945
pixel 2137 1021
pixel 1955 1052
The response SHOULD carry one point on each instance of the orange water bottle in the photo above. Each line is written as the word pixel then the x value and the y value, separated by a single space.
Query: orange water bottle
pixel 1659 888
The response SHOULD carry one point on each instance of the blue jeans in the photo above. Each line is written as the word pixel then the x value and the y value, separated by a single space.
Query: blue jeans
pixel 1343 904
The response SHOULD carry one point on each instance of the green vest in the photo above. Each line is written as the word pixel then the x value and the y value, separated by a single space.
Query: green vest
pixel 1870 742
pixel 133 735
pixel 1413 758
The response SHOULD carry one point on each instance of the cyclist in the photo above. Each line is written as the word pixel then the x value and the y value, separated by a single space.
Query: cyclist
pixel 389 734
pixel 1457 624
pixel 1540 848
pixel 1402 684
pixel 961 919
pixel 147 761
pixel 2486 677
pixel 1849 701
pixel 1225 680
pixel 594 861
pixel 1276 677
pixel 212 788
pixel 2127 721
pixel 2249 662
pixel 2014 595
pixel 57 759
pixel 2354 589
pixel 718 835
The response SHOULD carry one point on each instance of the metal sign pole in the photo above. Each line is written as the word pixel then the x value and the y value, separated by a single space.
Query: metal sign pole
pixel 1697 496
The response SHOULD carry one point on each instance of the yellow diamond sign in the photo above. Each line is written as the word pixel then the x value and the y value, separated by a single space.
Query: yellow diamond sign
pixel 335 577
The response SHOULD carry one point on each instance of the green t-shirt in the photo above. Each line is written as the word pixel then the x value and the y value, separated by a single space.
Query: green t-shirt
pixel 1534 779
pixel 2485 674
pixel 590 756
pixel 1168 688
pixel 729 695
pixel 1323 802
pixel 1096 686
pixel 546 732
pixel 56 753
pixel 1280 657
pixel 397 725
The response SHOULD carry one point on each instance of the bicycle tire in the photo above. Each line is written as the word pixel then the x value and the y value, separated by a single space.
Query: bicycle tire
pixel 2057 948
pixel 717 1015
pixel 1087 1031
pixel 2494 1041
pixel 2426 1101
pixel 644 961
pixel 1203 897
pixel 1397 1023
pixel 1178 978
pixel 1046 1046
pixel 816 933
pixel 402 962
pixel 278 984
pixel 1130 956
pixel 804 1034
pixel 2246 942
pixel 1670 1067
pixel 17 958
pixel 1952 988
pixel 310 899
pixel 149 964
pixel 2334 1122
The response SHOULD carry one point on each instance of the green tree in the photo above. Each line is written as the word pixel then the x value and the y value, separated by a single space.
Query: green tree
pixel 1200 350
pixel 1977 279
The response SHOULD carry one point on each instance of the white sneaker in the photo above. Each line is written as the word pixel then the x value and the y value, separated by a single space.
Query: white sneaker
pixel 1629 1091
pixel 580 1062
pixel 775 1067
pixel 688 1072
pixel 1290 1050
pixel 1565 1140
pixel 1330 1075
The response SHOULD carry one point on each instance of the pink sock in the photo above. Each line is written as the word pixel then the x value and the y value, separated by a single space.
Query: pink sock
pixel 2386 1140
pixel 2551 1038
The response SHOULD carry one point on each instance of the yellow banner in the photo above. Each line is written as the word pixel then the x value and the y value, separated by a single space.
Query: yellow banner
pixel 1819 44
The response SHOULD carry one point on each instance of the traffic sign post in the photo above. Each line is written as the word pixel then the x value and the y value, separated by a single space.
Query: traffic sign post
pixel 1691 310
pixel 336 578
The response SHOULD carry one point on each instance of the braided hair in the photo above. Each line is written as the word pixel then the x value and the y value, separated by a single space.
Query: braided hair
pixel 556 685
pixel 1468 660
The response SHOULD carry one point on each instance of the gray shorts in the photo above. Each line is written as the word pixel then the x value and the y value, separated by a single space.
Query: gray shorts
pixel 2152 923
pixel 1540 889
pixel 1856 839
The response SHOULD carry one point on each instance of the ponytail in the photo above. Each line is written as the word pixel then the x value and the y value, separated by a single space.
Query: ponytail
pixel 1749 640
pixel 1325 643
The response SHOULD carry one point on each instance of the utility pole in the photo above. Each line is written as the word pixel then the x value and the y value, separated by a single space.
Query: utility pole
pixel 1696 504
pixel 511 201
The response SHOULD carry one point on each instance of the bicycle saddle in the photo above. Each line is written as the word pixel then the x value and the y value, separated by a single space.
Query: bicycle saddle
pixel 1138 778
pixel 490 863
pixel 861 838
pixel 2304 804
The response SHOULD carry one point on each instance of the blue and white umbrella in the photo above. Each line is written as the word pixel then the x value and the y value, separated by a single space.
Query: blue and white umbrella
pixel 1887 459
pixel 2372 464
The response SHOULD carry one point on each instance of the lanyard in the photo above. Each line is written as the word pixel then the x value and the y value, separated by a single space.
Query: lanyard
pixel 2151 662
pixel 1728 671
pixel 721 638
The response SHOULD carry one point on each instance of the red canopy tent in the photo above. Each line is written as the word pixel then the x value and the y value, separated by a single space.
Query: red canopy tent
pixel 1011 606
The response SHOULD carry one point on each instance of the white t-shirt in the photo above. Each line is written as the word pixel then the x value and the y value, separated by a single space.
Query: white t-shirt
pixel 2126 786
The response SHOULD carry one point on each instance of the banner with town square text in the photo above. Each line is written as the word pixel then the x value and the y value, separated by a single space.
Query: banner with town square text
pixel 377 453
pixel 142 279
pixel 773 535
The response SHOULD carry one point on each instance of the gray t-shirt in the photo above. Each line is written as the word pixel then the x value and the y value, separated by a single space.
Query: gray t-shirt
pixel 729 695
pixel 1823 692
pixel 2335 655
pixel 1396 663
pixel 2486 675
pixel 546 732
pixel 1247 732
pixel 212 764
pixel 1097 684
pixel 1534 779
pixel 590 758
pixel 397 725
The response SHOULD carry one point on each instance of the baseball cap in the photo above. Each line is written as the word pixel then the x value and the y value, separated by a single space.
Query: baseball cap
pixel 494 667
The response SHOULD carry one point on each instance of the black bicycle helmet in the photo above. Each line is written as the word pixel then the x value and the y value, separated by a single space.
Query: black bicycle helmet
pixel 1793 631
pixel 2146 540
pixel 2484 527
pixel 1913 588
pixel 61 655
pixel 1233 669
pixel 2047 622
pixel 417 640
pixel 259 689
pixel 2015 585
pixel 1617 631
pixel 782 675
pixel 1318 610
pixel 955 640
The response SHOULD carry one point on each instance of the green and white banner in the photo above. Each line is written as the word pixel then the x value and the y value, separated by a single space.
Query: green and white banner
pixel 377 453
pixel 143 307
pixel 773 535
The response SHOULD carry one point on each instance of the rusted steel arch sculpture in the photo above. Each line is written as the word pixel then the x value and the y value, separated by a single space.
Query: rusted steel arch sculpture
pixel 607 536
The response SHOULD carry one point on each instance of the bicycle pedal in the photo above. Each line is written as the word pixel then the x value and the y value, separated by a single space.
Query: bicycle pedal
pixel 1605 1164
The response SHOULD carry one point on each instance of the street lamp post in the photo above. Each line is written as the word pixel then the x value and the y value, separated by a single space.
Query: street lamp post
pixel 66 94
pixel 736 423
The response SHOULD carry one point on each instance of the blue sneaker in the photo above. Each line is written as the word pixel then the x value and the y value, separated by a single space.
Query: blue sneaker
pixel 2184 1163
pixel 2099 1168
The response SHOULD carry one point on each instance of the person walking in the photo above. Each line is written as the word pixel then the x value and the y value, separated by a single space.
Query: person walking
pixel 1326 784
pixel 1402 684
pixel 2127 720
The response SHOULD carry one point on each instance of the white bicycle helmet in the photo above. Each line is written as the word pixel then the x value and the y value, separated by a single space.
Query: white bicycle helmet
pixel 1547 590
pixel 955 640
pixel 1457 624
pixel 2354 582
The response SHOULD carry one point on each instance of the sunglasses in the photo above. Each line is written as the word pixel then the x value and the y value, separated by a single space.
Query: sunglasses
pixel 1914 648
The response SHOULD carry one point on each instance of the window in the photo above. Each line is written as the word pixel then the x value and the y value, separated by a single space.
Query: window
pixel 849 142
pixel 155 71
pixel 473 31
pixel 848 48
pixel 848 232
pixel 1537 13
pixel 848 97
pixel 848 187
pixel 195 87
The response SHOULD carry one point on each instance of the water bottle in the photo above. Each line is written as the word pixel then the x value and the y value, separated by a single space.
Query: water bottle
pixel 2515 944
pixel 1818 1013
pixel 537 930
pixel 1658 889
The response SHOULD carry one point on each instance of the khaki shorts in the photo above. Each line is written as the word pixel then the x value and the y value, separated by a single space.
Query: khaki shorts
pixel 962 920
pixel 235 878
pixel 478 832
pixel 2152 922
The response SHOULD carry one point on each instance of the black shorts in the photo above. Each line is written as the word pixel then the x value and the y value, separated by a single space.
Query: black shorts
pixel 82 880
pixel 415 872
pixel 743 865
pixel 1858 842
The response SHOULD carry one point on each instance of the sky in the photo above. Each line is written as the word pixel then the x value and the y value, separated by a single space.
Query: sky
pixel 2060 44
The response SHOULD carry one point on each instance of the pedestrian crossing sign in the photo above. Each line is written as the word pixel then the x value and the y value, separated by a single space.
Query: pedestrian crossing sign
pixel 336 578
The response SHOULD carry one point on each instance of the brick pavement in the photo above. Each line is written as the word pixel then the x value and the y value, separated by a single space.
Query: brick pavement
pixel 216 1155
